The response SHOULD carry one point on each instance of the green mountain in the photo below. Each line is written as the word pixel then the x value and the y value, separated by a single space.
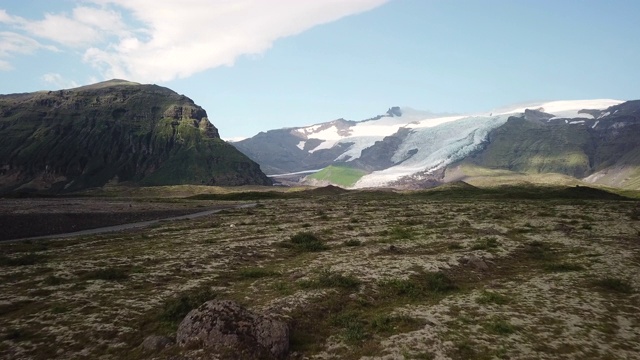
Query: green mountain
pixel 605 150
pixel 113 132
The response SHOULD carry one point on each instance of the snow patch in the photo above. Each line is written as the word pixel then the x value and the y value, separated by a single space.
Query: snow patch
pixel 596 124
pixel 577 122
pixel 566 108
pixel 301 145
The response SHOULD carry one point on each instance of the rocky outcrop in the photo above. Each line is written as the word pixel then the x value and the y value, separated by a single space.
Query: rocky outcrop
pixel 114 131
pixel 225 326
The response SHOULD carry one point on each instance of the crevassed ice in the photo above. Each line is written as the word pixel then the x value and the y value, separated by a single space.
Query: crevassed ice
pixel 437 146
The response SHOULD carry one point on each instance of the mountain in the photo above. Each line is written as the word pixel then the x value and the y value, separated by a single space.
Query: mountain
pixel 113 132
pixel 591 140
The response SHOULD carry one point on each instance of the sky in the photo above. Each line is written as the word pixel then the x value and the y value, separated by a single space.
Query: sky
pixel 256 65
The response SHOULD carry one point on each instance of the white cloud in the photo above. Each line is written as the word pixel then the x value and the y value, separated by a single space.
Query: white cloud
pixel 59 81
pixel 6 18
pixel 12 43
pixel 176 39
pixel 196 35
pixel 5 65
pixel 85 26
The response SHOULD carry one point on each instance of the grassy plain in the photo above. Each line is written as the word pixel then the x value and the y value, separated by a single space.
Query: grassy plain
pixel 340 175
pixel 449 274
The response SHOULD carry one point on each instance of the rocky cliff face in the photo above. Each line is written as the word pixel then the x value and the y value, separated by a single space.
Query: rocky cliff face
pixel 113 132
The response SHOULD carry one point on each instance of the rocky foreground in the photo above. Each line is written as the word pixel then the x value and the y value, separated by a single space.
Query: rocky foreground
pixel 353 276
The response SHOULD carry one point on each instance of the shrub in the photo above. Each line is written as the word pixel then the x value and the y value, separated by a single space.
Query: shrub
pixel 439 283
pixel 353 242
pixel 488 297
pixel 305 242
pixel 355 332
pixel 109 274
pixel 328 279
pixel 418 286
pixel 175 309
pixel 614 284
pixel 537 250
pixel 485 244
pixel 500 327
pixel 563 267
pixel 400 233
pixel 386 324
pixel 53 280
pixel 256 273
pixel 24 260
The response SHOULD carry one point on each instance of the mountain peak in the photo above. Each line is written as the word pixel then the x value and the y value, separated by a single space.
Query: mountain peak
pixel 114 131
pixel 394 111
pixel 106 84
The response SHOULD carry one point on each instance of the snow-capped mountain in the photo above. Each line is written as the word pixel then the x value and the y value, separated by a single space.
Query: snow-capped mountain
pixel 406 146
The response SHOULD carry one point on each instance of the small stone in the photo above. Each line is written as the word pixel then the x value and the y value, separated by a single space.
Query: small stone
pixel 476 262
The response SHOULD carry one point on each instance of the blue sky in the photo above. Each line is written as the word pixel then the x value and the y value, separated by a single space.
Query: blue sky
pixel 256 65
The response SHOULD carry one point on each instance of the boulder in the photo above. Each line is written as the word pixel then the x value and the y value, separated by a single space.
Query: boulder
pixel 476 262
pixel 156 343
pixel 224 325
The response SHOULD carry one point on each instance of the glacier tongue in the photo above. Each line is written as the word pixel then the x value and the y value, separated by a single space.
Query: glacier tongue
pixel 434 140
pixel 436 147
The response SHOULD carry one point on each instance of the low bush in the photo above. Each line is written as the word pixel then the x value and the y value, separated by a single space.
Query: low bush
pixel 108 274
pixel 175 309
pixel 563 267
pixel 23 260
pixel 489 297
pixel 485 244
pixel 328 279
pixel 614 284
pixel 305 242
pixel 500 327
pixel 256 273
pixel 418 286
pixel 353 242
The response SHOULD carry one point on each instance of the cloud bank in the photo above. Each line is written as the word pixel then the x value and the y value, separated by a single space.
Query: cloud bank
pixel 161 40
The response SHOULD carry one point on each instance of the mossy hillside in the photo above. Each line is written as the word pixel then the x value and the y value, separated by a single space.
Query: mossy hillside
pixel 532 147
pixel 89 136
pixel 339 175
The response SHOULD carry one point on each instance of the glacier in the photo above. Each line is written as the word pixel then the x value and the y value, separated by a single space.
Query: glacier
pixel 436 147
pixel 434 140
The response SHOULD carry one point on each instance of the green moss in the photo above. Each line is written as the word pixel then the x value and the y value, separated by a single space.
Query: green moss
pixel 531 147
pixel 339 175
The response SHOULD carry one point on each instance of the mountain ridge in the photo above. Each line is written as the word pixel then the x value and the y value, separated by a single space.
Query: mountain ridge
pixel 113 132
pixel 401 149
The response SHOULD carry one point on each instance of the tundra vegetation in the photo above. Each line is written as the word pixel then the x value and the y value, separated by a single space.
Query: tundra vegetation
pixel 447 274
